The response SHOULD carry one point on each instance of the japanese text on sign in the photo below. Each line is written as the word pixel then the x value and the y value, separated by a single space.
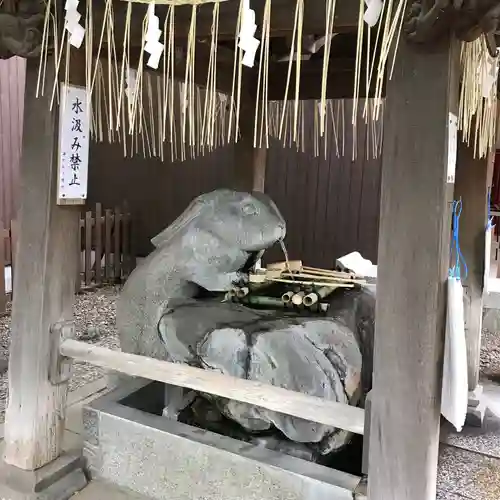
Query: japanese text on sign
pixel 73 144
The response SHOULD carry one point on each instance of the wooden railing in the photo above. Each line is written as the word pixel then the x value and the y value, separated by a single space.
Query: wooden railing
pixel 267 396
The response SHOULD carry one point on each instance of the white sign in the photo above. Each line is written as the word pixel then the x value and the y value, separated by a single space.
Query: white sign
pixel 73 145
pixel 452 147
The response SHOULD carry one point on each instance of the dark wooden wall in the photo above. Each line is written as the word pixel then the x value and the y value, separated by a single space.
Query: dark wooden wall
pixel 156 192
pixel 12 81
pixel 331 204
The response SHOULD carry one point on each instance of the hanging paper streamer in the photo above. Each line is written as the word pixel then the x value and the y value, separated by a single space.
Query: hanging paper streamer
pixel 247 41
pixel 487 245
pixel 372 12
pixel 455 384
pixel 130 86
pixel 153 46
pixel 72 23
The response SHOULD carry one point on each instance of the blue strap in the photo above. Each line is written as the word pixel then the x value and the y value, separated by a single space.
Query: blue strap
pixel 455 270
pixel 489 223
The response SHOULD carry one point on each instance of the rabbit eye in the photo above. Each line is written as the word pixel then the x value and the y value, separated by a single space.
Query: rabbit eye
pixel 249 209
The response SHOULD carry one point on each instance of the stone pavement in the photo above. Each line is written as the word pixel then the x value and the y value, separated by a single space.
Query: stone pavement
pixel 99 490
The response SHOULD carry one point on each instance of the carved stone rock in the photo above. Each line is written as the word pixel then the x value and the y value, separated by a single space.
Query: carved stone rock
pixel 428 20
pixel 21 28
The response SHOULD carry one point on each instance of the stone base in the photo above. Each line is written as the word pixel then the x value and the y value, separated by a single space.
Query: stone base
pixel 475 397
pixel 59 480
pixel 164 459
pixel 477 406
pixel 475 414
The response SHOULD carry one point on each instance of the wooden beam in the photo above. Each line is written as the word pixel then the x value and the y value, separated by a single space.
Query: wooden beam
pixel 247 391
pixel 282 17
pixel 413 261
pixel 44 281
pixel 473 178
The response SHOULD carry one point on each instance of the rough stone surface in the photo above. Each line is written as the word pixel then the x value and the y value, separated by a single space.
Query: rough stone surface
pixel 316 356
pixel 161 458
pixel 206 247
pixel 491 320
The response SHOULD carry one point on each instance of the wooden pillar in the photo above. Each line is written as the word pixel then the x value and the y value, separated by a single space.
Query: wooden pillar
pixel 413 264
pixel 249 162
pixel 44 283
pixel 473 178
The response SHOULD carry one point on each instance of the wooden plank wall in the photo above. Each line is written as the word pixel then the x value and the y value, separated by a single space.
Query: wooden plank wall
pixel 12 82
pixel 330 204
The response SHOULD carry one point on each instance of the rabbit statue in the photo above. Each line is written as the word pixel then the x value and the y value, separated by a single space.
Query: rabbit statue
pixel 207 246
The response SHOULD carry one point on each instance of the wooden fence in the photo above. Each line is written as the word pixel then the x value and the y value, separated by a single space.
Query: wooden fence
pixel 105 248
pixel 105 243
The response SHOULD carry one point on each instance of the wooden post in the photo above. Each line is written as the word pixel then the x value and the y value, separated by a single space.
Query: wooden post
pixel 413 254
pixel 45 286
pixel 98 244
pixel 472 182
pixel 250 162
pixel 88 248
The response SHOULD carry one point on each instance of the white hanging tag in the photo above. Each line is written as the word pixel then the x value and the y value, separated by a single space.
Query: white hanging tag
pixel 247 41
pixel 489 76
pixel 76 38
pixel 250 51
pixel 153 34
pixel 72 23
pixel 454 395
pixel 155 55
pixel 452 147
pixel 372 12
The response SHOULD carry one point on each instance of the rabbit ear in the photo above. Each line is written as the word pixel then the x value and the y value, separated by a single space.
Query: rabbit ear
pixel 193 211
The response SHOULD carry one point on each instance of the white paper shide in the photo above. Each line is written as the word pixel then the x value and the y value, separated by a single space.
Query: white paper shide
pixel 73 144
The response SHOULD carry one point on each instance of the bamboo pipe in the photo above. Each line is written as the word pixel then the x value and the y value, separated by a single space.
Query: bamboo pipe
pixel 327 272
pixel 242 292
pixel 345 279
pixel 261 300
pixel 298 299
pixel 311 283
pixel 287 297
pixel 321 293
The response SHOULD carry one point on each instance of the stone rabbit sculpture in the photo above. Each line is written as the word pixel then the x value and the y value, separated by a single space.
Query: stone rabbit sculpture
pixel 206 246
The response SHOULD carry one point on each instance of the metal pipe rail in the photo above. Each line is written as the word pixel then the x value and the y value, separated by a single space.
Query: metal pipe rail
pixel 256 393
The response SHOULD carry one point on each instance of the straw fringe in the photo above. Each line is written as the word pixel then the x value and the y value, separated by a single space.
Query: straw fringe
pixel 158 111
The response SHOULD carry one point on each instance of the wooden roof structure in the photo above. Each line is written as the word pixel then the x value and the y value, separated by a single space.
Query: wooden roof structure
pixel 308 50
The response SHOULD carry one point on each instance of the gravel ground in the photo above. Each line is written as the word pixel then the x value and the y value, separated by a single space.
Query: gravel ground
pixel 95 313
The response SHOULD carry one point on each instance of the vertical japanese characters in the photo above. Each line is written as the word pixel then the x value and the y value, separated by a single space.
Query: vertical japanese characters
pixel 73 145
